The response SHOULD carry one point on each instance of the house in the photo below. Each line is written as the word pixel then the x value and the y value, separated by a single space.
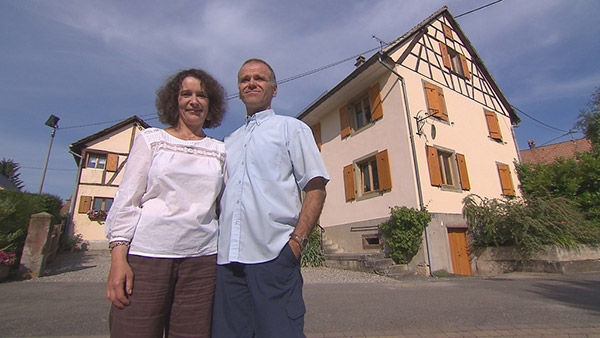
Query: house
pixel 548 153
pixel 421 123
pixel 101 160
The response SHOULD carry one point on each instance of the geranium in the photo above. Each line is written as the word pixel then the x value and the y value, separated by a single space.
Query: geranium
pixel 97 214
pixel 8 258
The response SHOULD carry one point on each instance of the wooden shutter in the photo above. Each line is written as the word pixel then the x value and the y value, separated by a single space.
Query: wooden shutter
pixel 85 204
pixel 383 170
pixel 435 174
pixel 462 172
pixel 316 129
pixel 112 161
pixel 445 55
pixel 375 101
pixel 344 121
pixel 447 31
pixel 349 182
pixel 465 67
pixel 435 101
pixel 505 180
pixel 493 126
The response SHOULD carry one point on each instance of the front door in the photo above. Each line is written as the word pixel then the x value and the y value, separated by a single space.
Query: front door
pixel 459 250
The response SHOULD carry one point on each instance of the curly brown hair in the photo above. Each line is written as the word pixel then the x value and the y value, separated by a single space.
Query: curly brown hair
pixel 167 98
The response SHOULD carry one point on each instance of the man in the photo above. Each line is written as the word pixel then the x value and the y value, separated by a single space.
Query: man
pixel 264 224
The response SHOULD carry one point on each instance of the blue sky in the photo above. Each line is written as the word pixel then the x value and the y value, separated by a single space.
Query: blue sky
pixel 91 61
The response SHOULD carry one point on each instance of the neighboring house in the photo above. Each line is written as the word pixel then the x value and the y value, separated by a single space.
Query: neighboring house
pixel 549 153
pixel 6 184
pixel 101 159
pixel 419 124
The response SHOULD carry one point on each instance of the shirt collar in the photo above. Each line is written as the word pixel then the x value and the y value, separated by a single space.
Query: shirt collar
pixel 260 116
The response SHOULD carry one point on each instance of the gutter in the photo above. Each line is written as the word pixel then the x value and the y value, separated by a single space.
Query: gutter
pixel 69 228
pixel 414 155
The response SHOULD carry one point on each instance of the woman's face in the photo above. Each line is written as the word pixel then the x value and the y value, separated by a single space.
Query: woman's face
pixel 193 102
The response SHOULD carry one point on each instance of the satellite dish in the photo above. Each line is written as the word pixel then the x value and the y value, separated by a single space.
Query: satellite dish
pixel 433 131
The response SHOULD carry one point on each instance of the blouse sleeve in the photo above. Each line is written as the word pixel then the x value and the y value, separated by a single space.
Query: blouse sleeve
pixel 125 212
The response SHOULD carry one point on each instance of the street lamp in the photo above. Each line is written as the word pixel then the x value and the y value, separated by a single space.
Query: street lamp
pixel 52 123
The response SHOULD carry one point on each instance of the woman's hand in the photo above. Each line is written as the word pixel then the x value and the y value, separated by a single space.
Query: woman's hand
pixel 120 279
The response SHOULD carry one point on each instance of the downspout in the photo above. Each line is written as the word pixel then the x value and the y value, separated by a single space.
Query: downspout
pixel 70 228
pixel 414 156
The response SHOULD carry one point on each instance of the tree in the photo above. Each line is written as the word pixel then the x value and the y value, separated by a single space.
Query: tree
pixel 589 120
pixel 10 169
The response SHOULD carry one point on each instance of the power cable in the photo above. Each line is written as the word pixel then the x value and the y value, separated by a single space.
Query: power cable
pixel 476 9
pixel 540 122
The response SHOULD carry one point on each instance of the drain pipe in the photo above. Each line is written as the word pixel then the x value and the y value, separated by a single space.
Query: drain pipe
pixel 414 156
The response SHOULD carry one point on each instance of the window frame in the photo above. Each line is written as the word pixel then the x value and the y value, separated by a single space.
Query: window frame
pixel 103 201
pixel 370 164
pixel 98 156
pixel 443 163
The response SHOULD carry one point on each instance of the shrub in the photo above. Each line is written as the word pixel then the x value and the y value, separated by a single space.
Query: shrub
pixel 312 254
pixel 403 232
pixel 527 225
pixel 15 210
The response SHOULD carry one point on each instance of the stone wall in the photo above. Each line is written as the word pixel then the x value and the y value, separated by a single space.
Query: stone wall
pixel 554 259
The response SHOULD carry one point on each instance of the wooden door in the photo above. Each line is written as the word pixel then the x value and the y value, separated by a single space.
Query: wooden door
pixel 459 250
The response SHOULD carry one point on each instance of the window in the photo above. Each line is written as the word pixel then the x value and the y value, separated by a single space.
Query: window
pixel 368 176
pixel 454 61
pixel 447 168
pixel 506 182
pixel 101 203
pixel 96 161
pixel 103 161
pixel 436 104
pixel 372 175
pixel 361 111
pixel 493 126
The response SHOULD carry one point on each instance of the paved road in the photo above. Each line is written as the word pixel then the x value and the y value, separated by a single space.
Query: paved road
pixel 70 303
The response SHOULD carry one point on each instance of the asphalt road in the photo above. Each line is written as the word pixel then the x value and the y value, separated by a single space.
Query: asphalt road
pixel 338 302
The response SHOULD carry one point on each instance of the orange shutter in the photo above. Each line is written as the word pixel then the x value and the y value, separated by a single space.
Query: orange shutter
pixel 85 204
pixel 344 121
pixel 349 182
pixel 111 162
pixel 375 101
pixel 447 31
pixel 445 55
pixel 435 174
pixel 316 129
pixel 505 180
pixel 442 104
pixel 465 66
pixel 462 172
pixel 493 126
pixel 383 171
pixel 432 99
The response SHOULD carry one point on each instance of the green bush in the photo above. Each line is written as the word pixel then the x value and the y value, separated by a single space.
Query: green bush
pixel 15 210
pixel 527 225
pixel 312 254
pixel 403 232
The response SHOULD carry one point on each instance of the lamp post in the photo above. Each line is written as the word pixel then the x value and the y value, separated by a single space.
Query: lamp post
pixel 52 123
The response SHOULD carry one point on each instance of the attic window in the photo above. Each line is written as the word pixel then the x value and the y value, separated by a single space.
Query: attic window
pixel 457 66
pixel 456 62
pixel 97 161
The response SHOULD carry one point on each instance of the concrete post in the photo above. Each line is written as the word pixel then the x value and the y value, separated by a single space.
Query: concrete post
pixel 34 256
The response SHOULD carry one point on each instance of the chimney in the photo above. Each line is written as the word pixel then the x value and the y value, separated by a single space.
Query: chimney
pixel 531 144
pixel 359 61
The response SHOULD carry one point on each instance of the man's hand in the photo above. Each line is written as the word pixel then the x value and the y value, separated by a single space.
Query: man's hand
pixel 296 249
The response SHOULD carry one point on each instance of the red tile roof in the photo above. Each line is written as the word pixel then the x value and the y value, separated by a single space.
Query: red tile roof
pixel 547 154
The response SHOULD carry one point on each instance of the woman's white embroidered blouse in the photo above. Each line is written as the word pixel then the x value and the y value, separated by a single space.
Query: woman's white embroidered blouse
pixel 166 202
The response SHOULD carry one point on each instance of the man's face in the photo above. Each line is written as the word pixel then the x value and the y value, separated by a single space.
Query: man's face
pixel 255 87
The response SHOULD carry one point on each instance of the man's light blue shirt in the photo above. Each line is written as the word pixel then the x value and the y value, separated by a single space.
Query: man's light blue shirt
pixel 269 161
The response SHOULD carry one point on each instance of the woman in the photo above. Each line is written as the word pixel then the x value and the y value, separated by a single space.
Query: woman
pixel 162 226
